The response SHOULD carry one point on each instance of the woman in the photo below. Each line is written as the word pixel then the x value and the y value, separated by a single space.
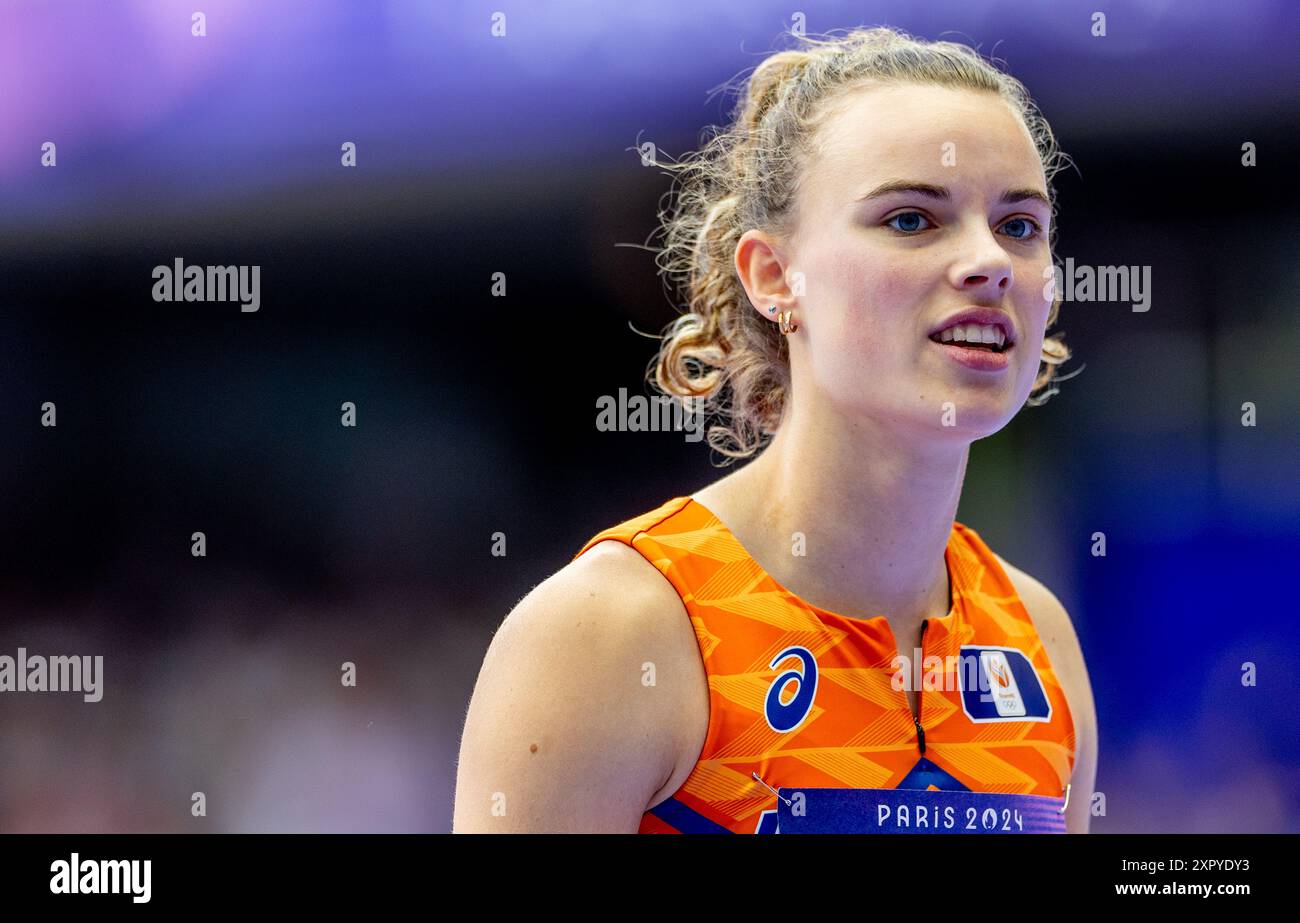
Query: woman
pixel 812 643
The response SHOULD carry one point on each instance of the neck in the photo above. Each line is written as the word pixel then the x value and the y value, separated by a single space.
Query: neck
pixel 876 507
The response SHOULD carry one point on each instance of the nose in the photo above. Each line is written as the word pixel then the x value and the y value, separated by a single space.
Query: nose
pixel 985 269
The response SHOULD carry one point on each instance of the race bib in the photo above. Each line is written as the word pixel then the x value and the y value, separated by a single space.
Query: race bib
pixel 898 810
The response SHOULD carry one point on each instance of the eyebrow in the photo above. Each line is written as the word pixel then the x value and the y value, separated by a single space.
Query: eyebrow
pixel 1009 197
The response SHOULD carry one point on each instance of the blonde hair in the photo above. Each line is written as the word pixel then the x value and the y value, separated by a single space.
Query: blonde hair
pixel 747 176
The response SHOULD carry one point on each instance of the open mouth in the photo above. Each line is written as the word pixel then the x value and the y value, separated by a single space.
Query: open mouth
pixel 984 347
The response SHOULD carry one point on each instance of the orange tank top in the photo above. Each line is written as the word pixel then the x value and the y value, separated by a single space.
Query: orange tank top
pixel 809 727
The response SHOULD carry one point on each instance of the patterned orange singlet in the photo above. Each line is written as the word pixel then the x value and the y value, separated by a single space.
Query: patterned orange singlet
pixel 809 727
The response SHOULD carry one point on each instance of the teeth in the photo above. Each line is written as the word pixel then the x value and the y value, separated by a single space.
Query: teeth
pixel 974 333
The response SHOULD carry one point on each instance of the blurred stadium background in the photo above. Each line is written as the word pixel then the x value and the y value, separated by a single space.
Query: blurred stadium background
pixel 476 414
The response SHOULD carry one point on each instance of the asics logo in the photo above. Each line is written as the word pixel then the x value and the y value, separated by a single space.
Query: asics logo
pixel 786 716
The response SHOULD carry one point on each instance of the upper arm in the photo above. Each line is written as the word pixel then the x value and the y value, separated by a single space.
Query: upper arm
pixel 1056 629
pixel 562 734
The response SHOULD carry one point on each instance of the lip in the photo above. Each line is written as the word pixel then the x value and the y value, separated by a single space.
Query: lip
pixel 980 316
pixel 979 359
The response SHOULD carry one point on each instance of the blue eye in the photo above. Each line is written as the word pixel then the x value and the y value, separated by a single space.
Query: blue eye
pixel 891 221
pixel 1034 229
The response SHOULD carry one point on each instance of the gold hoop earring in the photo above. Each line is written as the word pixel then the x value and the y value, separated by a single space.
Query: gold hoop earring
pixel 788 324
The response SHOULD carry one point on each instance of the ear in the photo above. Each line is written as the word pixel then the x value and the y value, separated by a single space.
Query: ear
pixel 761 264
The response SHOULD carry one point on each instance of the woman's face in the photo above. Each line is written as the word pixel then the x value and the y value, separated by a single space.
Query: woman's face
pixel 882 270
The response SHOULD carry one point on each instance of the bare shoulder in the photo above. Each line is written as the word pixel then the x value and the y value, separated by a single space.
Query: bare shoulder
pixel 563 731
pixel 1049 615
pixel 1056 628
pixel 619 596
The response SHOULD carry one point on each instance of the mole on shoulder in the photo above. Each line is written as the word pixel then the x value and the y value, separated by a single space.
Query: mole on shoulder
pixel 533 748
